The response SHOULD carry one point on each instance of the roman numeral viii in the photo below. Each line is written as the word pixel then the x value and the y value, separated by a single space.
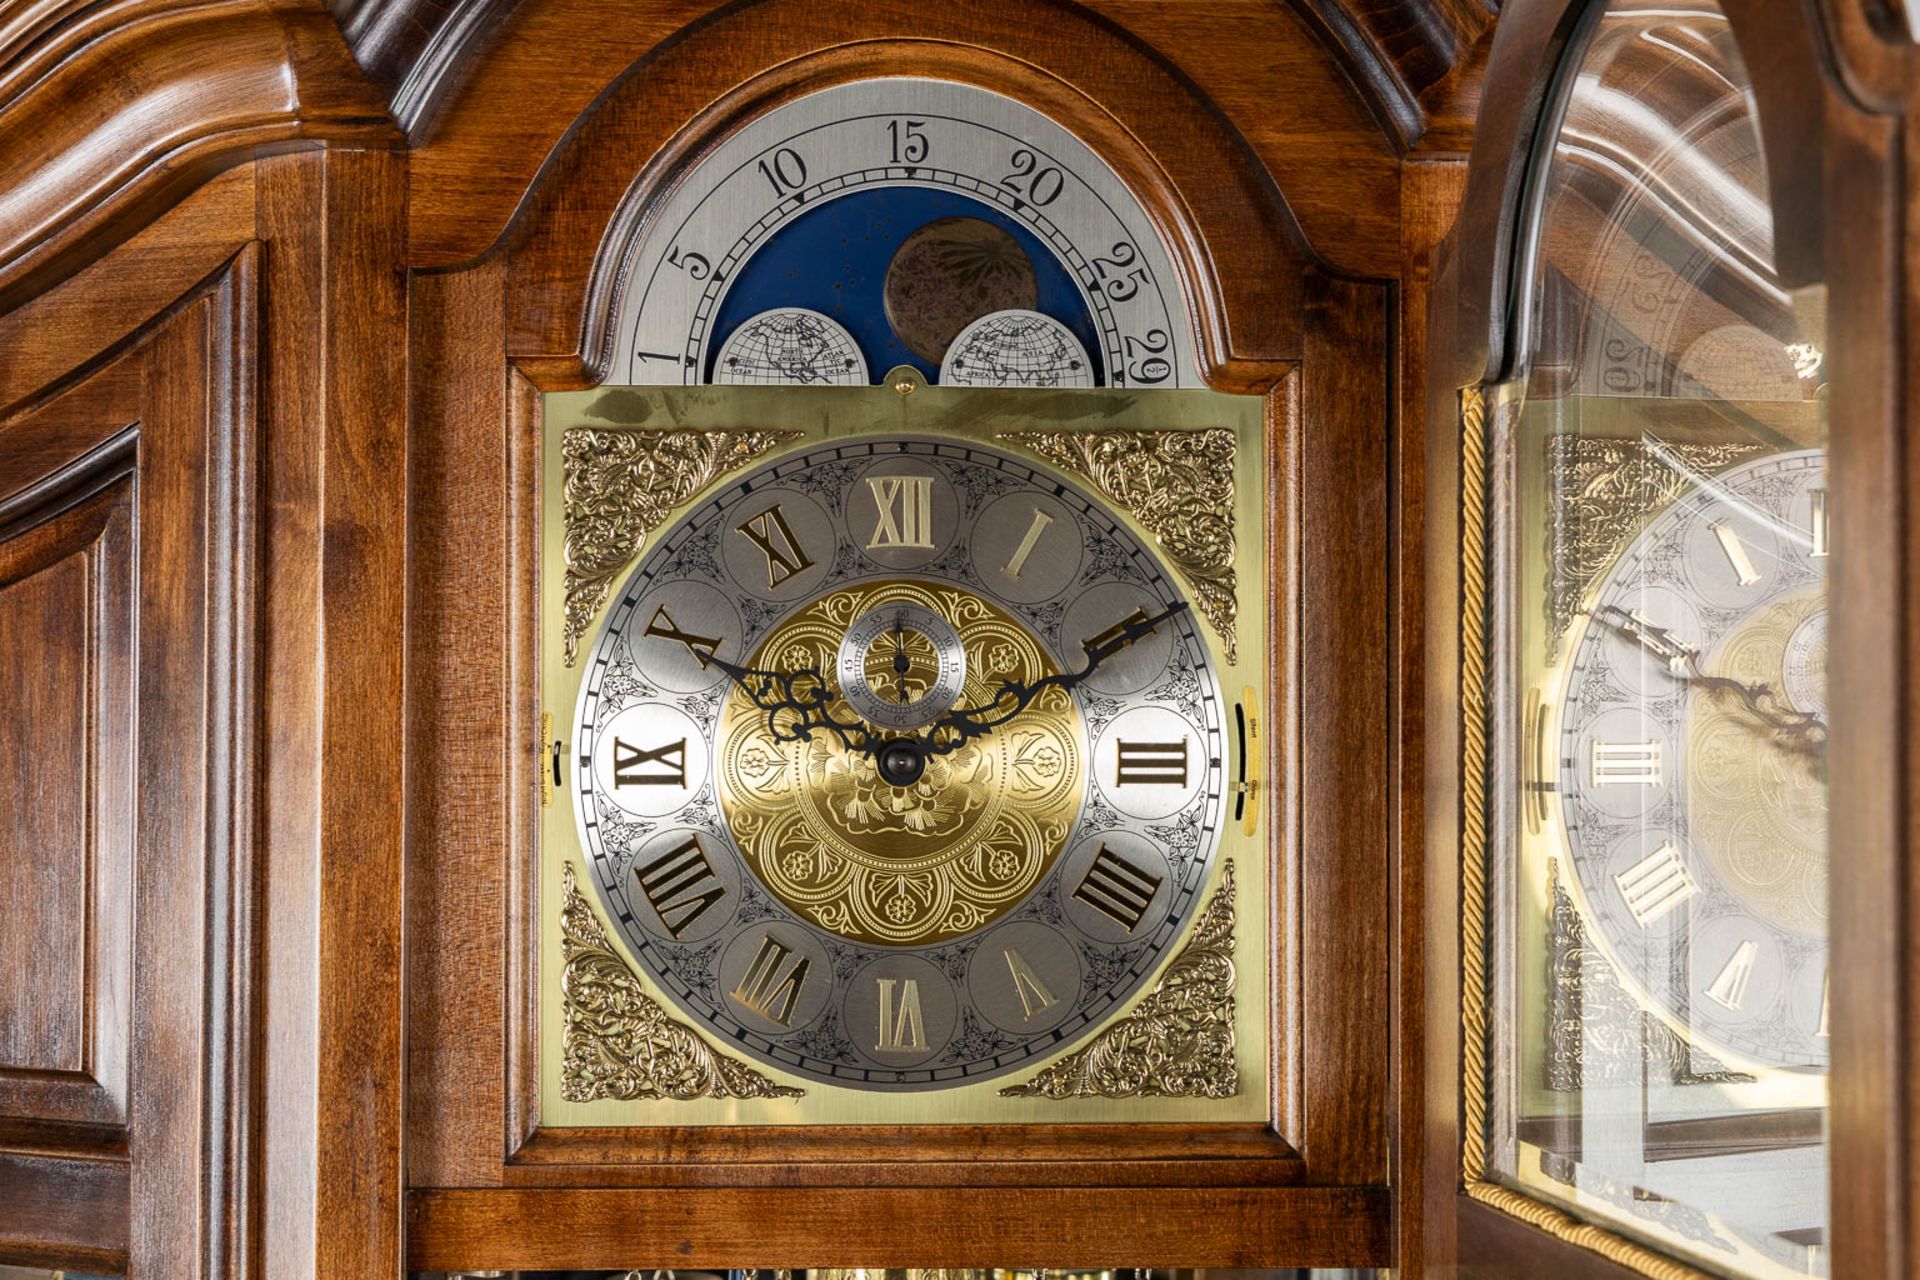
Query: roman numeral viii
pixel 662 766
pixel 1117 889
pixel 680 884
pixel 770 532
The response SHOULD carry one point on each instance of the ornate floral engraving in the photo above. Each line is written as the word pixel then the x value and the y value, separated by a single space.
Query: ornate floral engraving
pixel 619 484
pixel 1597 1033
pixel 1179 484
pixel 618 1042
pixel 1600 491
pixel 1178 1042
pixel 919 864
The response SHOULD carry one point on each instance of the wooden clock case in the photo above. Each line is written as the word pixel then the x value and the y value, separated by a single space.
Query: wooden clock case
pixel 280 284
pixel 272 335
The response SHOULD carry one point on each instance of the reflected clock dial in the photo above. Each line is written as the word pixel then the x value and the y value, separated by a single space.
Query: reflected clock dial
pixel 1693 761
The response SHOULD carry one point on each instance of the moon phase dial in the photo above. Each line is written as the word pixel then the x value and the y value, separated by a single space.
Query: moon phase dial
pixel 910 923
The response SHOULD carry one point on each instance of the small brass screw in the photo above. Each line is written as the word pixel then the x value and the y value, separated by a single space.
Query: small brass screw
pixel 904 386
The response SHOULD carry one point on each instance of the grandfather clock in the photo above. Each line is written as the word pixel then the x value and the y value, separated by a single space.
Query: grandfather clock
pixel 1033 635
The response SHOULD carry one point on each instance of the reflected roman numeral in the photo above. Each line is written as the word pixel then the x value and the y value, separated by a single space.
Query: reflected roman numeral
pixel 905 504
pixel 1150 763
pixel 1117 889
pixel 770 532
pixel 1729 990
pixel 1627 764
pixel 1826 1003
pixel 1033 993
pixel 900 1029
pixel 1737 556
pixel 1655 885
pixel 680 884
pixel 770 987
pixel 1819 497
pixel 662 766
pixel 1020 553
pixel 663 626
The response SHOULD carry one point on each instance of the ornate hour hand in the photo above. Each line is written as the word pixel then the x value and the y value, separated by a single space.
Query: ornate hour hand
pixel 962 724
pixel 804 694
pixel 1801 732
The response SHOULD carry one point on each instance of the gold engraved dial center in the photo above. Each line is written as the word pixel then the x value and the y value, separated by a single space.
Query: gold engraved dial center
pixel 1756 796
pixel 913 865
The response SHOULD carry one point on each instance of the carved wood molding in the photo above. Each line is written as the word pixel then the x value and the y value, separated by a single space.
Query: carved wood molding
pixel 1396 50
pixel 141 101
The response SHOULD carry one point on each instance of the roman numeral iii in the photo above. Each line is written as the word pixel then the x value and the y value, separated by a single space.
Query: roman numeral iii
pixel 770 987
pixel 1616 764
pixel 770 532
pixel 1147 763
pixel 680 884
pixel 662 766
pixel 1117 889
pixel 905 504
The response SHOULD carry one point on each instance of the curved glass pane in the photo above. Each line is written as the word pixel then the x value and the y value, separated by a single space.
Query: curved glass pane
pixel 1658 981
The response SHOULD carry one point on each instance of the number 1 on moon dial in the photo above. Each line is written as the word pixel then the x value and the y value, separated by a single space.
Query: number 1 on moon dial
pixel 1006 897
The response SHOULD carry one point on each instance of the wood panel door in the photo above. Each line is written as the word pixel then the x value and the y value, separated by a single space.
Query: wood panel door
pixel 125 865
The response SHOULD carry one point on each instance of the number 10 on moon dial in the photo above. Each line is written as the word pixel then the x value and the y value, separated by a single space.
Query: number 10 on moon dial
pixel 900 764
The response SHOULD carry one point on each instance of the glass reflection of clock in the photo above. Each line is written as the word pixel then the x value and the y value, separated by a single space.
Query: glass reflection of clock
pixel 902 222
pixel 901 763
pixel 1693 761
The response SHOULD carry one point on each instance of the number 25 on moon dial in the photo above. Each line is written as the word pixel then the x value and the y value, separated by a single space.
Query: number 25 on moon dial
pixel 791 824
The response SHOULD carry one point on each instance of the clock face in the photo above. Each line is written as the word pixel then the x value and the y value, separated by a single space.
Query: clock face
pixel 902 221
pixel 786 820
pixel 1693 761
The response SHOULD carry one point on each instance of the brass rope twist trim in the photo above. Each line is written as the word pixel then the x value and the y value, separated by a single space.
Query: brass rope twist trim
pixel 1473 781
pixel 1474 727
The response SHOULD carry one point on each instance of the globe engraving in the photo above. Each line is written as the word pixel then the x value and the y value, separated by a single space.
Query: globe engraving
pixel 791 346
pixel 1016 349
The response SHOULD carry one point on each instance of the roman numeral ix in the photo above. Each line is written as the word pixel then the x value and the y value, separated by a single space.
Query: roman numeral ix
pixel 668 765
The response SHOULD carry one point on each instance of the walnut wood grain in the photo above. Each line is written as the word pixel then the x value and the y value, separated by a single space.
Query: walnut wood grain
pixel 66 962
pixel 1397 50
pixel 167 1193
pixel 142 101
pixel 1291 99
pixel 613 1228
pixel 336 538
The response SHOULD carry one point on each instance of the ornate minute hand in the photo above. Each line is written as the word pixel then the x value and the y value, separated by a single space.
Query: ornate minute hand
pixel 1799 731
pixel 962 724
